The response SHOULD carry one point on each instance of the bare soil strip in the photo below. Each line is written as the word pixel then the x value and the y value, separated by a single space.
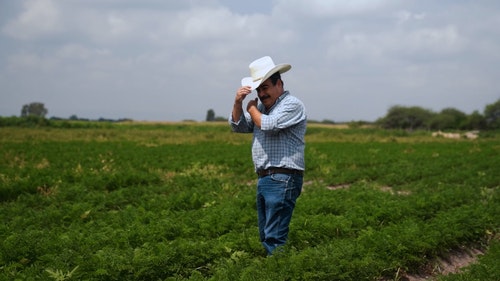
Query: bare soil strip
pixel 454 262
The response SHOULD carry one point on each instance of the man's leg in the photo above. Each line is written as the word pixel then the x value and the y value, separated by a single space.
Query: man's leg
pixel 278 194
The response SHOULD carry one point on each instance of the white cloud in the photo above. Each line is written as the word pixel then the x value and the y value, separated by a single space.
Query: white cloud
pixel 142 59
pixel 27 63
pixel 326 8
pixel 39 18
pixel 74 51
pixel 208 23
pixel 428 44
pixel 404 16
pixel 118 25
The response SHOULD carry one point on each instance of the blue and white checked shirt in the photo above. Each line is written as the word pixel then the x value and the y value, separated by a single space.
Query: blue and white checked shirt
pixel 280 140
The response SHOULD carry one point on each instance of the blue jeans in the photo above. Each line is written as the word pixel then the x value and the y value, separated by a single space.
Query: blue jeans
pixel 276 197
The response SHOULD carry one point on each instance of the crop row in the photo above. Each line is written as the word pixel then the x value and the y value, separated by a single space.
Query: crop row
pixel 127 207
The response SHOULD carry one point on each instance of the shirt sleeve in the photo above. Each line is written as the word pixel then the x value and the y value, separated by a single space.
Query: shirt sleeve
pixel 244 125
pixel 290 112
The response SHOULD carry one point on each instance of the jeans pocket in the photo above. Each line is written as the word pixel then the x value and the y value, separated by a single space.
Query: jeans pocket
pixel 292 189
pixel 283 178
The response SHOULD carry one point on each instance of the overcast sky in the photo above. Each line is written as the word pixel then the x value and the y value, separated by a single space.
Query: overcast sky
pixel 172 60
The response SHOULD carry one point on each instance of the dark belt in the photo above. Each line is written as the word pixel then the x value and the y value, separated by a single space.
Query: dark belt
pixel 270 171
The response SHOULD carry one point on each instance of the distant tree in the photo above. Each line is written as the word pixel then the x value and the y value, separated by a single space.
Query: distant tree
pixel 448 118
pixel 220 118
pixel 458 117
pixel 34 109
pixel 210 115
pixel 492 115
pixel 475 121
pixel 73 117
pixel 410 118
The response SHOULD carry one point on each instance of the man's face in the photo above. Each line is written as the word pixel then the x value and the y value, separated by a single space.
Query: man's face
pixel 269 93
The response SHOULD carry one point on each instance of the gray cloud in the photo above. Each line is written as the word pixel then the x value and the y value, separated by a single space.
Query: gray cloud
pixel 174 60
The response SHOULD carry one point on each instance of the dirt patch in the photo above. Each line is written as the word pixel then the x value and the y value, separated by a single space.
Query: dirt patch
pixel 454 262
pixel 338 186
pixel 381 188
pixel 391 191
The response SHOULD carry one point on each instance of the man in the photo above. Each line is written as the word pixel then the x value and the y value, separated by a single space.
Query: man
pixel 278 125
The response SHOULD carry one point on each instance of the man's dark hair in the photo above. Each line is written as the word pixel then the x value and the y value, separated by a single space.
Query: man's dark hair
pixel 275 77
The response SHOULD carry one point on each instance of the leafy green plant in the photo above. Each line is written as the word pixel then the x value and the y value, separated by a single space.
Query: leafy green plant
pixel 177 202
pixel 59 275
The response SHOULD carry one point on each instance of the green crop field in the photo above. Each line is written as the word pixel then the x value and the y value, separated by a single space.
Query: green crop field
pixel 176 202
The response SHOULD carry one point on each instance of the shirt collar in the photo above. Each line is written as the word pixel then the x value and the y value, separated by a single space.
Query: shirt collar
pixel 280 98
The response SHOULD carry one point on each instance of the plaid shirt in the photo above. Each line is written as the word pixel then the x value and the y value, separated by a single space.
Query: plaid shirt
pixel 280 140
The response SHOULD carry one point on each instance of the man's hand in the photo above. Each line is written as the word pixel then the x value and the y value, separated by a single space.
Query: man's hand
pixel 242 93
pixel 252 103
pixel 254 112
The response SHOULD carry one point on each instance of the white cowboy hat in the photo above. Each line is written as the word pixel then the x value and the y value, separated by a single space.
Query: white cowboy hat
pixel 261 69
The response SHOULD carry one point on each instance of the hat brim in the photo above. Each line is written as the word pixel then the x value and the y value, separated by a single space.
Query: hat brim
pixel 248 81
